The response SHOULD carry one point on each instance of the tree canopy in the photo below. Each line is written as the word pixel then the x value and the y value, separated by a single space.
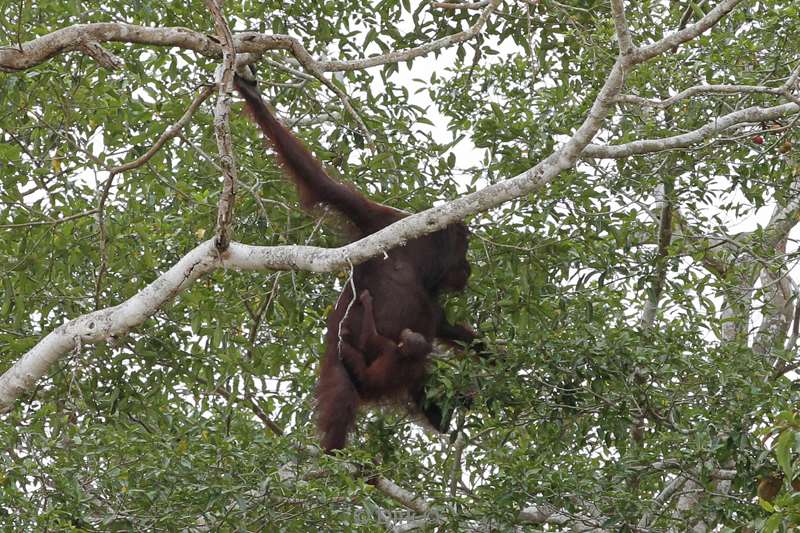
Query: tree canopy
pixel 628 171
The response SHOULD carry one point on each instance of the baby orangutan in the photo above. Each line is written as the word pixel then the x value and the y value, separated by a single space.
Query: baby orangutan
pixel 379 366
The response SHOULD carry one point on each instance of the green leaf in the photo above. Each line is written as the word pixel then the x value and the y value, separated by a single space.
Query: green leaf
pixel 782 450
pixel 773 523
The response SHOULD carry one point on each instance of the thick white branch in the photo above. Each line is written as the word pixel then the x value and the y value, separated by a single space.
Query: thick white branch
pixel 43 48
pixel 690 32
pixel 404 497
pixel 547 514
pixel 784 219
pixel 717 125
pixel 77 37
pixel 660 500
pixel 624 40
pixel 543 514
pixel 222 128
pixel 115 321
pixel 104 324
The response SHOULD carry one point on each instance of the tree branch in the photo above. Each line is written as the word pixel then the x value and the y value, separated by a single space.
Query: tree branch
pixel 51 222
pixel 459 5
pixel 547 514
pixel 404 497
pixel 624 41
pixel 412 53
pixel 222 129
pixel 715 126
pixel 36 51
pixel 688 33
pixel 170 133
pixel 659 276
pixel 700 89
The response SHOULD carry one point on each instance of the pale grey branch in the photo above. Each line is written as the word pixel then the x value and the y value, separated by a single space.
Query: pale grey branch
pixel 699 89
pixel 222 129
pixel 688 33
pixel 24 56
pixel 685 140
pixel 624 41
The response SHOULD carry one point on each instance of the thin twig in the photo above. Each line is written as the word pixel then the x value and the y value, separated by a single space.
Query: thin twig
pixel 53 222
pixel 172 131
pixel 251 404
pixel 258 315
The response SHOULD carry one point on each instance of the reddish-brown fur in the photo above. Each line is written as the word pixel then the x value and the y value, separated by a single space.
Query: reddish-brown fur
pixel 394 365
pixel 402 289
